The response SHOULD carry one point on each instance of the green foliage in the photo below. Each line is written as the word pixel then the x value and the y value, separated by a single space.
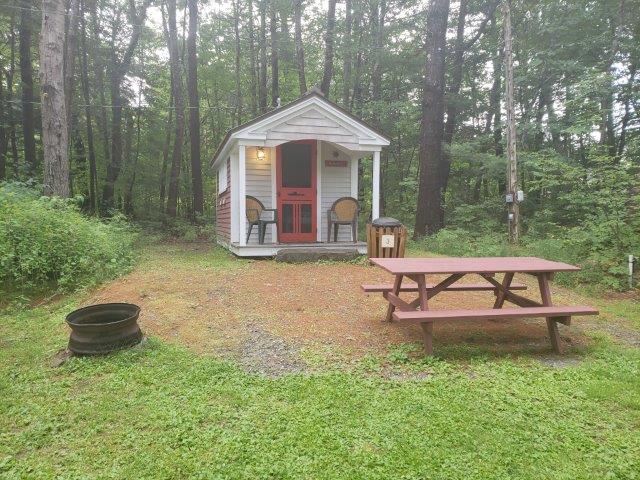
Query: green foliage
pixel 599 248
pixel 583 213
pixel 180 229
pixel 47 243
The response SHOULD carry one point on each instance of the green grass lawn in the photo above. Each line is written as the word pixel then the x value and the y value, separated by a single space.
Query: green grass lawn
pixel 162 411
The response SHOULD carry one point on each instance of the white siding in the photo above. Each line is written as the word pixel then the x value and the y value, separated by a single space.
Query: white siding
pixel 259 186
pixel 336 183
pixel 312 124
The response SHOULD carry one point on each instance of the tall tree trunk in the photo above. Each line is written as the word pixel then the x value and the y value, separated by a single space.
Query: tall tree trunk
pixel 4 138
pixel 119 70
pixel 512 173
pixel 93 171
pixel 253 84
pixel 429 208
pixel 236 30
pixel 329 41
pixel 347 55
pixel 494 113
pixel 297 18
pixel 262 46
pixel 176 159
pixel 456 83
pixel 98 70
pixel 26 76
pixel 71 49
pixel 275 46
pixel 54 131
pixel 356 98
pixel 624 122
pixel 607 129
pixel 377 28
pixel 165 152
pixel 12 120
pixel 128 195
pixel 456 76
pixel 194 110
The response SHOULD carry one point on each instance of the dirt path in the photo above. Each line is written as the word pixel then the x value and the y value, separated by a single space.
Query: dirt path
pixel 263 313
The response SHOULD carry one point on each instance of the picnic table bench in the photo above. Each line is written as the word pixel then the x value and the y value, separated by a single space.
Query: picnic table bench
pixel 417 269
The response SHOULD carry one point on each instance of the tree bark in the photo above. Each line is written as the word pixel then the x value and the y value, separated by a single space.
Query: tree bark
pixel 607 129
pixel 93 171
pixel 453 108
pixel 3 131
pixel 176 159
pixel 54 131
pixel 252 63
pixel 165 152
pixel 347 55
pixel 194 110
pixel 624 122
pixel 512 173
pixel 262 46
pixel 456 76
pixel 236 30
pixel 494 120
pixel 97 55
pixel 26 76
pixel 429 208
pixel 275 78
pixel 329 41
pixel 71 50
pixel 378 30
pixel 297 16
pixel 119 70
pixel 11 117
pixel 128 196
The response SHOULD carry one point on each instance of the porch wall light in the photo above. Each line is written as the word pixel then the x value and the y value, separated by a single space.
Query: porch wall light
pixel 260 153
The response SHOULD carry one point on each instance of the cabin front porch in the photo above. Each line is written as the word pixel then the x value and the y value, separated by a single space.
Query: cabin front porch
pixel 295 164
pixel 300 180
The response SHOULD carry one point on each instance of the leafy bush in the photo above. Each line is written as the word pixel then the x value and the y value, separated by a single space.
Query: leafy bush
pixel 599 248
pixel 47 243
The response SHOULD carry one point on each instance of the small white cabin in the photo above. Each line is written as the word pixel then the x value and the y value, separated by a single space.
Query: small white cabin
pixel 295 160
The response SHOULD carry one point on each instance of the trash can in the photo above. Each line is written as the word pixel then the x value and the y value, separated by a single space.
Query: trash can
pixel 386 238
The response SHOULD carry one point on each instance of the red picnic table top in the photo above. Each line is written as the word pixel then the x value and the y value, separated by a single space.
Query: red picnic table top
pixel 416 266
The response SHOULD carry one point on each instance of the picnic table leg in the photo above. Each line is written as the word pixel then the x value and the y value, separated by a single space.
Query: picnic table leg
pixel 500 294
pixel 427 327
pixel 397 283
pixel 552 324
pixel 427 337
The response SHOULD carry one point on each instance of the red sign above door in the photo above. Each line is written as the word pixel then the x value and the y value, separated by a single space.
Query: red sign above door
pixel 335 163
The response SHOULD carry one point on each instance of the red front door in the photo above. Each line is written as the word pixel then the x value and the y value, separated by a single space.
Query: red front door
pixel 296 184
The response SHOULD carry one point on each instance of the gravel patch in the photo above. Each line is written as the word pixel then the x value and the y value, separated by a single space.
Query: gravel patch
pixel 265 354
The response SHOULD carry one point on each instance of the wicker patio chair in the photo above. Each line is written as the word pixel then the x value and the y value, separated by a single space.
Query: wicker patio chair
pixel 260 216
pixel 344 211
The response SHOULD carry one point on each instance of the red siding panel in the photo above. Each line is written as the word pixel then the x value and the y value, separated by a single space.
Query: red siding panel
pixel 223 210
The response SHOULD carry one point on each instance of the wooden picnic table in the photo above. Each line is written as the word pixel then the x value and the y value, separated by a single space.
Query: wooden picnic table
pixel 417 311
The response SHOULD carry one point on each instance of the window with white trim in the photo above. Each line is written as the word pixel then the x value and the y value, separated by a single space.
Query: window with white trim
pixel 222 177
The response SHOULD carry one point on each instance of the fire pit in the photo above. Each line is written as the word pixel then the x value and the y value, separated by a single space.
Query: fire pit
pixel 103 328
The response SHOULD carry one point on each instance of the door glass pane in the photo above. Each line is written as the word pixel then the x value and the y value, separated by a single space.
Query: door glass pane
pixel 296 165
pixel 287 218
pixel 305 218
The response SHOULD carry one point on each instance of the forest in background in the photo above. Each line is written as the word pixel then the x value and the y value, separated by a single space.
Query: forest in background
pixel 152 86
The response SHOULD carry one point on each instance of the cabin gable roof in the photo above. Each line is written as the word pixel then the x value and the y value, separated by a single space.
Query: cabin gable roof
pixel 310 116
